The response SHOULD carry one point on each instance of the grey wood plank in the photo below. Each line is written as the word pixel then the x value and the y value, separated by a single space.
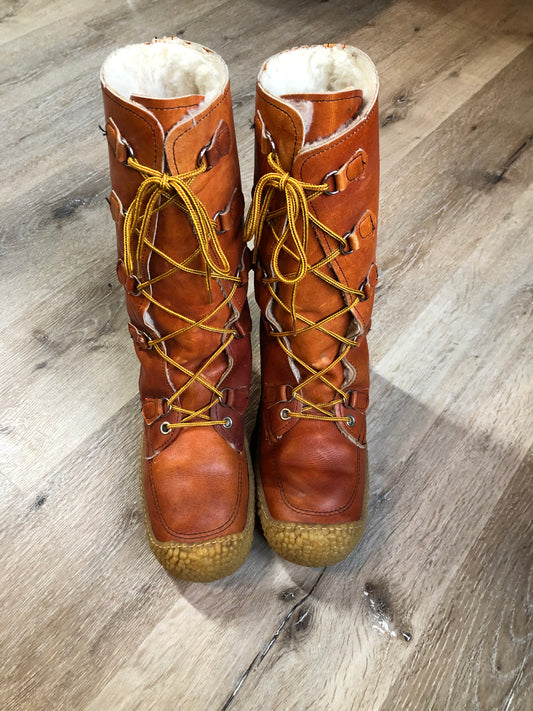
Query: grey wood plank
pixel 471 169
pixel 478 647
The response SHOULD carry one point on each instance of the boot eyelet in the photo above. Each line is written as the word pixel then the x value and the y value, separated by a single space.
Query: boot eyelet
pixel 347 249
pixel 228 422
pixel 363 289
pixel 129 151
pixel 351 421
pixel 165 428
pixel 325 182
pixel 135 286
pixel 203 154
pixel 285 413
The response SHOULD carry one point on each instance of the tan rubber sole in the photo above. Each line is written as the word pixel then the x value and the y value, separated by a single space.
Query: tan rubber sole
pixel 311 544
pixel 203 562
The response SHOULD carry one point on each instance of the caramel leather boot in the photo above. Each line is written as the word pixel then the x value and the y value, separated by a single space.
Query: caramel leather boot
pixel 314 219
pixel 177 203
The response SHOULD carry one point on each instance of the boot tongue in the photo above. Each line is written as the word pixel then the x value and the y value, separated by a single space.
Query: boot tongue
pixel 169 111
pixel 324 113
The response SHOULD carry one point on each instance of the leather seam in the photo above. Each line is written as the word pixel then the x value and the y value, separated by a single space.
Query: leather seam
pixel 110 97
pixel 333 512
pixel 336 260
pixel 218 529
pixel 278 108
pixel 197 123
pixel 172 108
pixel 331 101
pixel 338 141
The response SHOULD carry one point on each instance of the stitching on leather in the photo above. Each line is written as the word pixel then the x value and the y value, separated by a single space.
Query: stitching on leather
pixel 263 508
pixel 172 108
pixel 125 108
pixel 218 529
pixel 231 537
pixel 332 101
pixel 197 123
pixel 283 111
pixel 336 260
pixel 235 440
pixel 289 424
pixel 333 512
pixel 338 141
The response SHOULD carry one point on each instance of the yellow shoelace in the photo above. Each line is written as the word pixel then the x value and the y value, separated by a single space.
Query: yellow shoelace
pixel 156 191
pixel 296 196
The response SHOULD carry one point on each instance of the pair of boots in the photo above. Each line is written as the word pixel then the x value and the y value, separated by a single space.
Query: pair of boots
pixel 177 203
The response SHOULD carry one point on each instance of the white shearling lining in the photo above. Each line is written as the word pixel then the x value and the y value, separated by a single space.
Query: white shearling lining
pixel 165 69
pixel 320 69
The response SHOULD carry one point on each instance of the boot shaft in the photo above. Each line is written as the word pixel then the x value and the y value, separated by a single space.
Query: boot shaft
pixel 317 114
pixel 168 108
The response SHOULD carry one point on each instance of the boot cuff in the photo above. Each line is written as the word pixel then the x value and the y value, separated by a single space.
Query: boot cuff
pixel 320 70
pixel 165 68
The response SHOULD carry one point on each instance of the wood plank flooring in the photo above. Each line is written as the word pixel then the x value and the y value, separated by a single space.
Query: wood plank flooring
pixel 433 611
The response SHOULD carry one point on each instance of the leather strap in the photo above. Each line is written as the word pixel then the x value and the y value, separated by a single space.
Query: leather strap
pixel 277 393
pixel 358 399
pixel 236 398
pixel 128 282
pixel 117 144
pixel 353 169
pixel 117 210
pixel 140 338
pixel 364 227
pixel 218 147
pixel 266 144
pixel 225 219
pixel 154 408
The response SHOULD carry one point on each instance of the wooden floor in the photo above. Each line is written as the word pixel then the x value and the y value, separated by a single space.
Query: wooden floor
pixel 433 610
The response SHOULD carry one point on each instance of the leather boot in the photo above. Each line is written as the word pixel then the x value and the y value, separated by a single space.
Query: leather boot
pixel 314 219
pixel 177 203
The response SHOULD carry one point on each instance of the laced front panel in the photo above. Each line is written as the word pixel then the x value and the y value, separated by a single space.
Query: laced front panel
pixel 296 196
pixel 156 191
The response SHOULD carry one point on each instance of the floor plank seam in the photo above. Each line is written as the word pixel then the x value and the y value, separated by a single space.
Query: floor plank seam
pixel 260 656
pixel 512 159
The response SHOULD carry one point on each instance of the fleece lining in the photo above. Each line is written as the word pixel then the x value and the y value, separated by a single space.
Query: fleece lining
pixel 320 69
pixel 165 69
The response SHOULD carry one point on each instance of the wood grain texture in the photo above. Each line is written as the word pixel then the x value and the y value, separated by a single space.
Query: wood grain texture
pixel 433 610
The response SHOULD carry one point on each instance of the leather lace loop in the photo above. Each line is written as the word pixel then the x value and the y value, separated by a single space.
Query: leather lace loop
pixel 296 196
pixel 156 191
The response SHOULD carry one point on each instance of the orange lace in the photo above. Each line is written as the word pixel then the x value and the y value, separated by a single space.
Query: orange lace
pixel 156 191
pixel 297 194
